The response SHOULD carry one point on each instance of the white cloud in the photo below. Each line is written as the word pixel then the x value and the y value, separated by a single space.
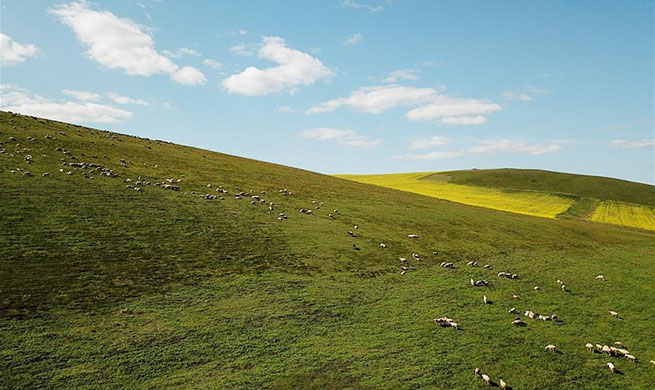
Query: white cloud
pixel 82 95
pixel 236 32
pixel 621 143
pixel 513 147
pixel 180 53
pixel 120 43
pixel 423 143
pixel 401 74
pixel 12 52
pixel 294 68
pixel 126 100
pixel 500 146
pixel 464 120
pixel 446 108
pixel 343 137
pixel 355 5
pixel 188 75
pixel 431 105
pixel 375 100
pixel 23 101
pixel 212 63
pixel 527 94
pixel 352 41
pixel 430 156
pixel 243 49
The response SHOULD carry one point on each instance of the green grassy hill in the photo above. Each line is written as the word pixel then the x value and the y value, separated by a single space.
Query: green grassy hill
pixel 104 286
pixel 564 183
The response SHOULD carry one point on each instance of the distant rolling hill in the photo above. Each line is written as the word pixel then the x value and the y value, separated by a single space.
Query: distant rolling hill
pixel 534 192
pixel 134 263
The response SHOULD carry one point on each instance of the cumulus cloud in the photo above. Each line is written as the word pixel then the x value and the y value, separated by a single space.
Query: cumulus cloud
pixel 82 95
pixel 120 43
pixel 294 68
pixel 621 143
pixel 16 99
pixel 120 99
pixel 401 74
pixel 499 146
pixel 212 63
pixel 423 143
pixel 12 52
pixel 183 51
pixel 352 41
pixel 341 136
pixel 432 106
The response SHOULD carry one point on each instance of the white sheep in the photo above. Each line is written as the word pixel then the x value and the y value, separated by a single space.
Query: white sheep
pixel 611 367
pixel 590 347
pixel 536 288
pixel 614 314
pixel 632 358
pixel 383 245
pixel 486 379
pixel 600 277
pixel 652 362
pixel 476 370
pixel 512 310
pixel 606 350
pixel 551 348
pixel 502 384
pixel 484 299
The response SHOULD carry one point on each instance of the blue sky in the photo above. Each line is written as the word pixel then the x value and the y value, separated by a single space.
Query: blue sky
pixel 357 86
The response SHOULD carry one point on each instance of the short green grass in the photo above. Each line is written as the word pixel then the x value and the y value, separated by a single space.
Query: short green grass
pixel 105 287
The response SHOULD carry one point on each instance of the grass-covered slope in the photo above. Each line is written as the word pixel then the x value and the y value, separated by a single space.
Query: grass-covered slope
pixel 565 183
pixel 103 286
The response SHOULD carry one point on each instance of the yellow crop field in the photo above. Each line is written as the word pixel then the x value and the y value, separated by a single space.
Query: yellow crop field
pixel 521 202
pixel 626 214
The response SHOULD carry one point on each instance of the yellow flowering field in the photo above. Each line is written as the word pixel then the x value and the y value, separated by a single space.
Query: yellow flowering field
pixel 521 202
pixel 626 214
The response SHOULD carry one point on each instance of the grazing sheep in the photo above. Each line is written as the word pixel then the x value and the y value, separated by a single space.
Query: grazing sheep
pixel 512 310
pixel 412 235
pixel 600 277
pixel 351 234
pixel 623 351
pixel 614 314
pixel 355 227
pixel 536 288
pixel 403 272
pixel 487 266
pixel 502 384
pixel 553 317
pixel 559 281
pixel 564 287
pixel 484 299
pixel 610 365
pixel 632 358
pixel 606 350
pixel 618 343
pixel 652 362
pixel 517 322
pixel 551 348
pixel 402 260
pixel 599 347
pixel 476 371
pixel 486 379
pixel 472 282
pixel 590 347
pixel 515 296
pixel 383 245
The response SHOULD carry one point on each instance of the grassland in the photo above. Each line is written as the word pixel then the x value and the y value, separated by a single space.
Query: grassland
pixel 105 287
pixel 529 203
pixel 626 214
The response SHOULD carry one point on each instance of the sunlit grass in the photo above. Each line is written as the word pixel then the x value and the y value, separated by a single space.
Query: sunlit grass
pixel 618 213
pixel 521 202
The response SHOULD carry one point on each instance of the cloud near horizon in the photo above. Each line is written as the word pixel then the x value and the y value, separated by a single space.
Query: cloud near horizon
pixel 120 43
pixel 432 106
pixel 344 137
pixel 20 100
pixel 294 68
pixel 489 147
pixel 625 144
